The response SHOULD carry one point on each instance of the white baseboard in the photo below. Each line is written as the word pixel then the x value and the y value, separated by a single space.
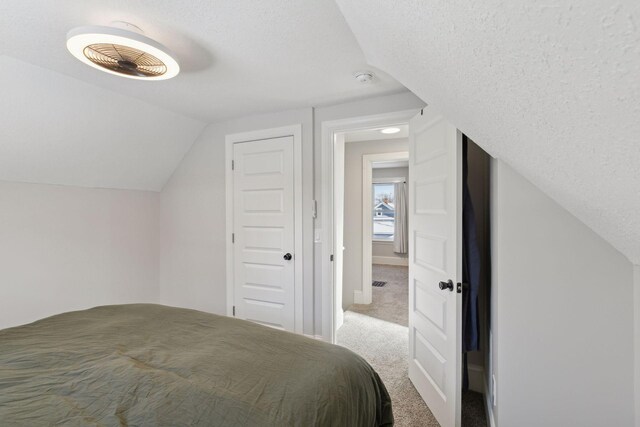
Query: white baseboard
pixel 357 297
pixel 390 260
pixel 339 318
pixel 476 378
pixel 488 405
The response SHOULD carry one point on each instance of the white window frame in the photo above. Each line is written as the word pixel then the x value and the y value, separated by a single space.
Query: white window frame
pixel 374 181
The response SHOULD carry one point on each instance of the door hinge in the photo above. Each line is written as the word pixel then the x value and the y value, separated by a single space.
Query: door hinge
pixel 331 258
pixel 233 165
pixel 234 311
pixel 233 237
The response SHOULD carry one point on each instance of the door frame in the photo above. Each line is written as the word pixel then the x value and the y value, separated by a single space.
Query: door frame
pixel 365 296
pixel 329 311
pixel 294 131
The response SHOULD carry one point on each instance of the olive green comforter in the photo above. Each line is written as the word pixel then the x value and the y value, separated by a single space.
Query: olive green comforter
pixel 148 365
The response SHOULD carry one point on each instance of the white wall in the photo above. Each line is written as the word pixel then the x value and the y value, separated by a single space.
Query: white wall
pixel 389 172
pixel 192 207
pixel 352 270
pixel 192 218
pixel 70 248
pixel 563 314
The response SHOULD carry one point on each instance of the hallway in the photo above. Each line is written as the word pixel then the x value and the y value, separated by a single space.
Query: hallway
pixel 378 332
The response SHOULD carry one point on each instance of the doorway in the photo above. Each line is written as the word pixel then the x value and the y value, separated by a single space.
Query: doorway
pixel 375 277
pixel 436 149
pixel 333 146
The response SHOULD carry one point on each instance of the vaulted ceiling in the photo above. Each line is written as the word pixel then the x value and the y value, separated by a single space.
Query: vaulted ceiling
pixel 552 88
pixel 66 123
pixel 237 56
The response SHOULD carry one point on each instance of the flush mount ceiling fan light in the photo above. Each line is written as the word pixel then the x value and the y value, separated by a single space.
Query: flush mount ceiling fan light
pixel 122 52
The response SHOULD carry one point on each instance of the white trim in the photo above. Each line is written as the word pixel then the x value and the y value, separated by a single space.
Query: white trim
pixel 390 260
pixel 366 296
pixel 488 406
pixel 394 180
pixel 328 129
pixel 296 132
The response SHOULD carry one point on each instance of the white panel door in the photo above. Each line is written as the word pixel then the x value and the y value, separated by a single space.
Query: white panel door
pixel 263 224
pixel 435 256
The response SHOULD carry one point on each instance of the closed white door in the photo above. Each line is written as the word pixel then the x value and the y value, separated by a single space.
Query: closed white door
pixel 435 256
pixel 263 224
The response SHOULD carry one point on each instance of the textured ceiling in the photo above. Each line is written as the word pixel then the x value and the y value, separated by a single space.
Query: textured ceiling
pixel 238 57
pixel 66 123
pixel 552 88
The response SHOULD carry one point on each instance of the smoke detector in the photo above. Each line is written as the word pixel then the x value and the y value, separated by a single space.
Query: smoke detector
pixel 364 77
pixel 122 50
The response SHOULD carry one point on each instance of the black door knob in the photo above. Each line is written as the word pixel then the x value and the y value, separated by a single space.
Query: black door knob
pixel 287 256
pixel 446 285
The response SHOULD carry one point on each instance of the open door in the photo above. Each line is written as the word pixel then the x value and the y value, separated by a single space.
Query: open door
pixel 435 264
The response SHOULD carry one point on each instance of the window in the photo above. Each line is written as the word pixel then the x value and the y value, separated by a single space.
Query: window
pixel 383 211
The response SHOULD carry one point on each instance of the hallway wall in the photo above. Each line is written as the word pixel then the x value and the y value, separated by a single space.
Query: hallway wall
pixel 352 272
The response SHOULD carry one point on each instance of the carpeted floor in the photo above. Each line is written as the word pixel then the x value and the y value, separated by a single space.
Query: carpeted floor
pixel 384 345
pixel 378 332
pixel 391 301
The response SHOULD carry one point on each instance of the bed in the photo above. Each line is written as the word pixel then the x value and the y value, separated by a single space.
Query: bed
pixel 144 364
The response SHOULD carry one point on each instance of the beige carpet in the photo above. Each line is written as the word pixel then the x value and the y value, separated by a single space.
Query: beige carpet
pixel 384 345
pixel 390 302
pixel 378 332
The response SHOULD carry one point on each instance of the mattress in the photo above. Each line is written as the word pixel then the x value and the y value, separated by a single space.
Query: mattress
pixel 144 364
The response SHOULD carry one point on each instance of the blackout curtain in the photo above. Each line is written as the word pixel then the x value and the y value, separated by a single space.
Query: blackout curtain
pixel 401 234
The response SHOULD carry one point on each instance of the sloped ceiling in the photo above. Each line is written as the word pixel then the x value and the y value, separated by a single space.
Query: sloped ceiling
pixel 59 130
pixel 66 123
pixel 552 88
pixel 237 57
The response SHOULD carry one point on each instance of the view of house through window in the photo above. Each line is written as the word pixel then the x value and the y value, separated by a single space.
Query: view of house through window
pixel 383 211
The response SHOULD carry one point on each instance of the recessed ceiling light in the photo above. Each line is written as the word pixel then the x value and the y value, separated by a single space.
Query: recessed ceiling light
pixel 390 130
pixel 122 52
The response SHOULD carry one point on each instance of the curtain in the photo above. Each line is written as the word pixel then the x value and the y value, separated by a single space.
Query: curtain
pixel 401 234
